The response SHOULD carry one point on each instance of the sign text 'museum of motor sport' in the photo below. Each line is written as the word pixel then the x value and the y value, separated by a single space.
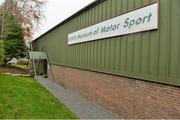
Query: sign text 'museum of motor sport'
pixel 139 20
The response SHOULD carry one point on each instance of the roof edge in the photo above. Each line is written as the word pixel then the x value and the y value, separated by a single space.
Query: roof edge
pixel 90 5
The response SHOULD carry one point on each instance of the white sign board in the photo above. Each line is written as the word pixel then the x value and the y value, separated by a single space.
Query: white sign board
pixel 37 55
pixel 142 19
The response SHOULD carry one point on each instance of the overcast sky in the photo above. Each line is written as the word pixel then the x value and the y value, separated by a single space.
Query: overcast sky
pixel 57 11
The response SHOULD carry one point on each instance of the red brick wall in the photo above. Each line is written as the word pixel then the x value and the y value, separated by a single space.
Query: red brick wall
pixel 130 98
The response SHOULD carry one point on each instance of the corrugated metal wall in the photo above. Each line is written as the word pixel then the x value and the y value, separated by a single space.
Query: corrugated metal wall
pixel 152 55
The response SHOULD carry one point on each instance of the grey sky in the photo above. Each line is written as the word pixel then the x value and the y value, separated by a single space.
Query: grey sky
pixel 57 11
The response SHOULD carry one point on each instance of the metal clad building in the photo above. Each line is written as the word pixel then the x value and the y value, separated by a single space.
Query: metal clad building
pixel 152 55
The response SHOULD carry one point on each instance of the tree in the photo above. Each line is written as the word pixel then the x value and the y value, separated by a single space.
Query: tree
pixel 1 52
pixel 27 12
pixel 31 13
pixel 14 44
pixel 18 20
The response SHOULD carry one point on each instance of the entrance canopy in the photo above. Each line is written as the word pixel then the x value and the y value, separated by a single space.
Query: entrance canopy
pixel 37 55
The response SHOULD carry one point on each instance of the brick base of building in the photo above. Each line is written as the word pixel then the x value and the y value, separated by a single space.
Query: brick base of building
pixel 129 98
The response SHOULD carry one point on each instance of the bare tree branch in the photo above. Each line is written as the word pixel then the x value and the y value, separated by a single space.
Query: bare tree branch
pixel 28 13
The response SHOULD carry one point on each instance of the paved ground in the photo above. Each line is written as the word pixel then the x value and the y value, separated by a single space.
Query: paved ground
pixel 82 107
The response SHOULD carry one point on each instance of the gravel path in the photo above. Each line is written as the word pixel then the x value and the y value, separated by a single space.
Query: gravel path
pixel 82 107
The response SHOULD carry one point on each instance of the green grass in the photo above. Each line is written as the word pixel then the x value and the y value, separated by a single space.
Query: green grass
pixel 24 98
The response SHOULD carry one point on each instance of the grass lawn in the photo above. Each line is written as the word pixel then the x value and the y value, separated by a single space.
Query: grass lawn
pixel 24 98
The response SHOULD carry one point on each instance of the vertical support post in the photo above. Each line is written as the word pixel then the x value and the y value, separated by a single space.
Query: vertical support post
pixel 34 66
pixel 49 66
